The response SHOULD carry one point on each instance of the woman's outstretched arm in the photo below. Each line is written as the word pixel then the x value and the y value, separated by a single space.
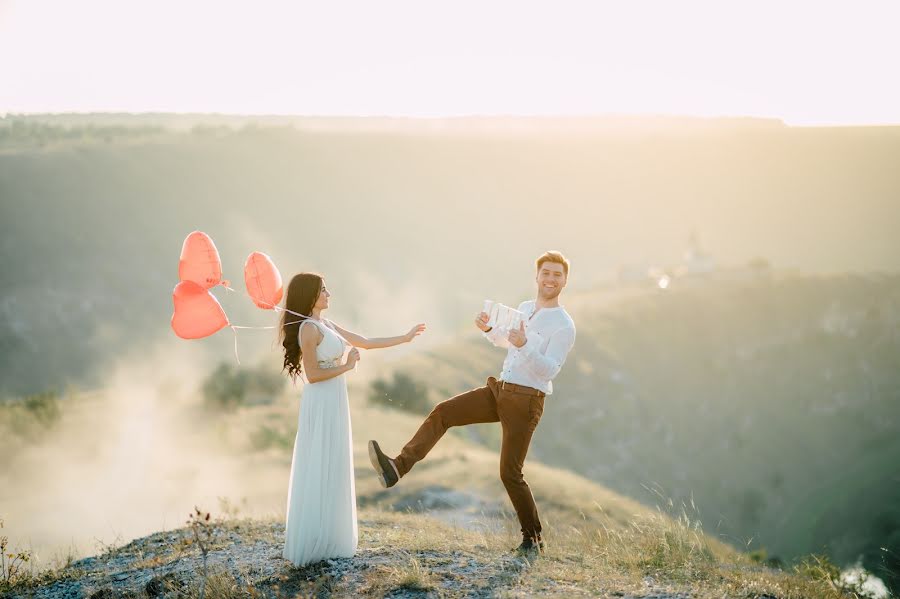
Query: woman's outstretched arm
pixel 360 341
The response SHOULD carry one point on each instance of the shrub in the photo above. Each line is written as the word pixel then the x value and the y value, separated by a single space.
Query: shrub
pixel 403 393
pixel 761 556
pixel 29 417
pixel 229 386
pixel 44 407
pixel 822 569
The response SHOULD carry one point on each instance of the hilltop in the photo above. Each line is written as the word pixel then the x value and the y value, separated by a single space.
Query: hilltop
pixel 411 555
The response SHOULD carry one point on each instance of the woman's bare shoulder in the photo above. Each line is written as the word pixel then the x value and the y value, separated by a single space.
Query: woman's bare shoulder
pixel 310 333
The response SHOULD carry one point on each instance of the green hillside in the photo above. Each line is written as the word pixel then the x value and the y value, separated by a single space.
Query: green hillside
pixel 432 215
pixel 772 401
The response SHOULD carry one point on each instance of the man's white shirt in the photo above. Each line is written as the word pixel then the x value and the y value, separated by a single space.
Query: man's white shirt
pixel 550 334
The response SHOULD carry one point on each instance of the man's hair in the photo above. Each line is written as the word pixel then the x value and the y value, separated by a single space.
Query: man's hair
pixel 556 257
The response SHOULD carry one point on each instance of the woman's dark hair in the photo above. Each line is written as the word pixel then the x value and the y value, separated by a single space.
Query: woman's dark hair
pixel 302 293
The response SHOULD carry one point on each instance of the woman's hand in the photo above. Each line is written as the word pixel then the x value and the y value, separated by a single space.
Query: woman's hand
pixel 352 358
pixel 481 321
pixel 415 332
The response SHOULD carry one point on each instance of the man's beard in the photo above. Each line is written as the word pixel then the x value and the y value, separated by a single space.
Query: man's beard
pixel 547 294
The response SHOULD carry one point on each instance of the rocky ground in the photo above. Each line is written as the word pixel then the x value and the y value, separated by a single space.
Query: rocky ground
pixel 245 559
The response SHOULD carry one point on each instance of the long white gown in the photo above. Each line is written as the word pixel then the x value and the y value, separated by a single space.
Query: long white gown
pixel 321 503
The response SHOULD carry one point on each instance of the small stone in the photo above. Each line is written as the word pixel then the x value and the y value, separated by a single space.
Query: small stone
pixel 155 587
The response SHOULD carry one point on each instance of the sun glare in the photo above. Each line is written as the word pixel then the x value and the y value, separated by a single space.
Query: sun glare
pixel 804 62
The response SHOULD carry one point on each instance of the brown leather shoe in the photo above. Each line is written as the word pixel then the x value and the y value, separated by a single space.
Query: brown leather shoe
pixel 384 466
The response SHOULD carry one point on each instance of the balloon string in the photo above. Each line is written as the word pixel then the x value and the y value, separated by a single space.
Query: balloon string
pixel 274 307
pixel 234 329
pixel 235 326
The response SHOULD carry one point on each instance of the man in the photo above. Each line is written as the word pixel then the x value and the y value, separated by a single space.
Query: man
pixel 537 350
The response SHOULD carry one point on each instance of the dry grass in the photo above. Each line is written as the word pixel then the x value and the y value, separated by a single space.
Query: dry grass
pixel 410 575
pixel 669 554
pixel 221 585
pixel 406 552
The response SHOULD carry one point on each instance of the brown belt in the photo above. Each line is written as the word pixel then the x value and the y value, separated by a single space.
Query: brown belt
pixel 521 389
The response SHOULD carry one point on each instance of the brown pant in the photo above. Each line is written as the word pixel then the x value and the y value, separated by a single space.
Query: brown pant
pixel 516 412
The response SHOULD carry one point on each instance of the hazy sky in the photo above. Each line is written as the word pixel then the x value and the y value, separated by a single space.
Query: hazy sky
pixel 817 62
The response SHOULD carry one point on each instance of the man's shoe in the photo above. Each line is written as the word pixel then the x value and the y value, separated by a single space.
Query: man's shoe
pixel 530 546
pixel 384 466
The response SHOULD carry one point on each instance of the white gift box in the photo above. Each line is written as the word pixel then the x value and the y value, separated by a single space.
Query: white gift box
pixel 502 316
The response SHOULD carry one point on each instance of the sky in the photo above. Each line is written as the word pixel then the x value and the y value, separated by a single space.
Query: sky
pixel 808 63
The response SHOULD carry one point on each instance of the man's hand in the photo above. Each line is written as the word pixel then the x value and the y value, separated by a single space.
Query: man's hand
pixel 481 322
pixel 517 336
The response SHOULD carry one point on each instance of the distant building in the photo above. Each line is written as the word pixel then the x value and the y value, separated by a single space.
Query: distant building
pixel 696 259
pixel 696 262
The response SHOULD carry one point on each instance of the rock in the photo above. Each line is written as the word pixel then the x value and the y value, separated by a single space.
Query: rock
pixel 156 587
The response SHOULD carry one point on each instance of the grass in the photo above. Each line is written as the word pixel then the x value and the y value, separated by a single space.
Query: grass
pixel 419 554
pixel 589 559
pixel 221 585
pixel 410 575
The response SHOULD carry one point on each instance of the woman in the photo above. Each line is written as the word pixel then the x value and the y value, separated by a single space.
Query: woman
pixel 321 504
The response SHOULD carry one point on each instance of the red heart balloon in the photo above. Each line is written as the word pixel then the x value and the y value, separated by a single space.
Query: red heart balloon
pixel 197 311
pixel 263 281
pixel 200 261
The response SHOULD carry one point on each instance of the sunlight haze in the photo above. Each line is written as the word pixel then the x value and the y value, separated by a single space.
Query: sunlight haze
pixel 719 178
pixel 808 63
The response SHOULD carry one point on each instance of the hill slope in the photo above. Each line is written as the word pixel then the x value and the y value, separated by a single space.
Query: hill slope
pixel 444 531
pixel 93 213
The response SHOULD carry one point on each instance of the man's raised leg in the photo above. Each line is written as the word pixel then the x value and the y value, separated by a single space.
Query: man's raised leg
pixel 475 406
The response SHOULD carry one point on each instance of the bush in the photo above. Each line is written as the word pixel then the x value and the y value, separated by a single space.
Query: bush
pixel 29 417
pixel 821 568
pixel 403 393
pixel 44 407
pixel 12 564
pixel 761 556
pixel 229 386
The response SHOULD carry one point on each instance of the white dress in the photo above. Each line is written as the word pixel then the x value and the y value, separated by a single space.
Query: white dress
pixel 321 502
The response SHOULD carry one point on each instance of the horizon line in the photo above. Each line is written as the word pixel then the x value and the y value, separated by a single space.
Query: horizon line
pixel 4 114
